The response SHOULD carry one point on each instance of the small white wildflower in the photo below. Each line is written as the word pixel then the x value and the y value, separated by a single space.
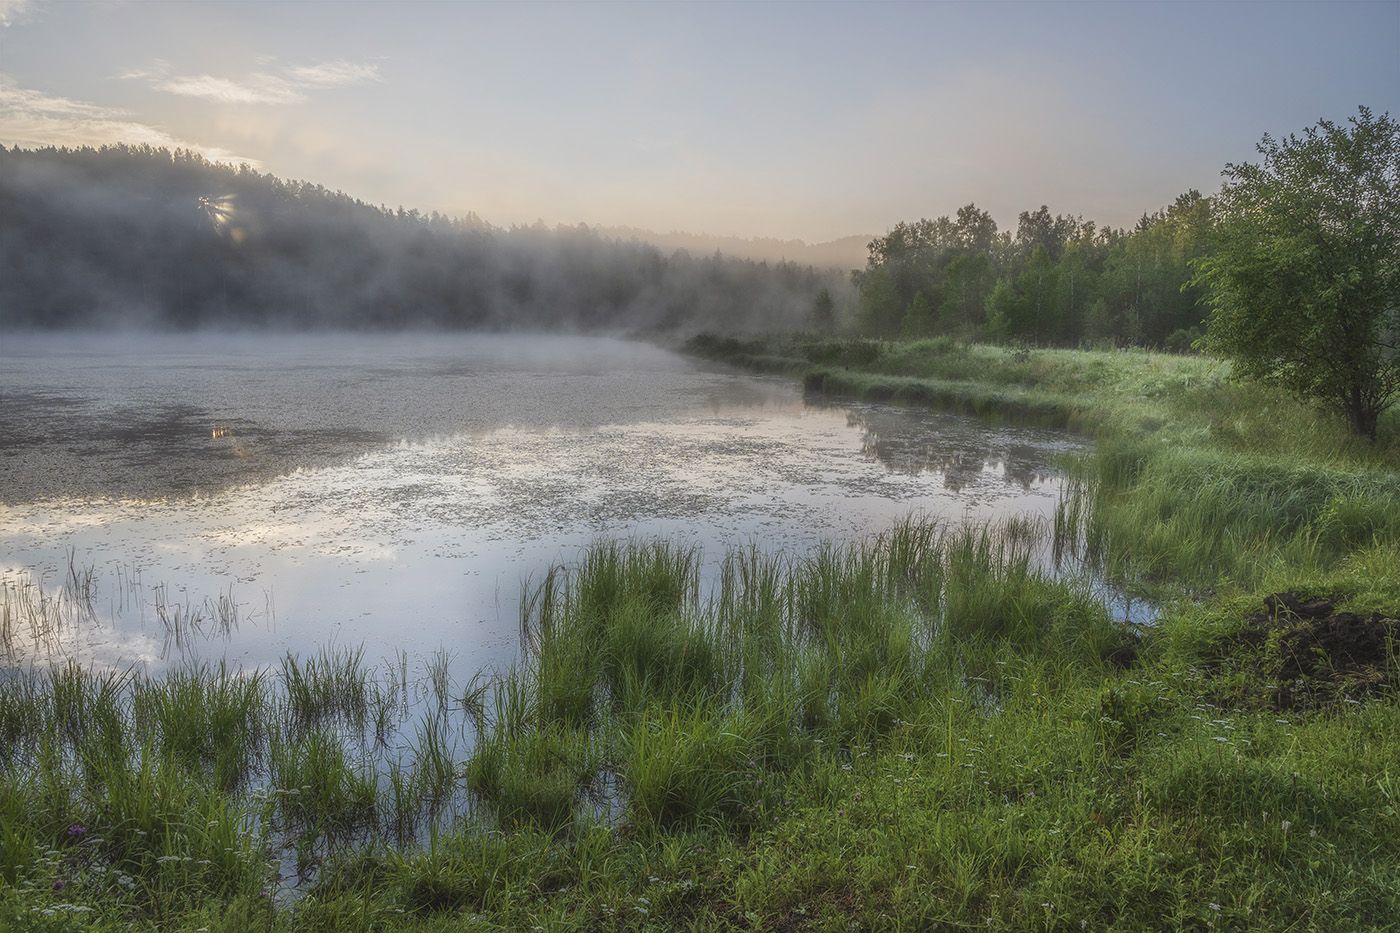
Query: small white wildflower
pixel 1214 906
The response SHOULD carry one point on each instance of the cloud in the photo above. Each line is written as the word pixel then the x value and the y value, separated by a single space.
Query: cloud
pixel 338 73
pixel 158 68
pixel 258 89
pixel 283 86
pixel 13 11
pixel 31 119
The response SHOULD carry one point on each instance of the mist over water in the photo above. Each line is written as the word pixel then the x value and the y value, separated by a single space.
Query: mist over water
pixel 396 491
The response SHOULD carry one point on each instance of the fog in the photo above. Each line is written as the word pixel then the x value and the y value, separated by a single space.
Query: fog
pixel 142 237
pixel 151 415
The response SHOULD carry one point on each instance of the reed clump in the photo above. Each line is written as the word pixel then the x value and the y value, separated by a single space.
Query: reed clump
pixel 689 710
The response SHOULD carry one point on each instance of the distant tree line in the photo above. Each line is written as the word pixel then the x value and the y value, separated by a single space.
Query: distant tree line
pixel 1057 280
pixel 133 234
pixel 1292 270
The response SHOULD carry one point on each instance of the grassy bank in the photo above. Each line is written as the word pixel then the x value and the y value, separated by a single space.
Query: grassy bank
pixel 1196 478
pixel 920 731
pixel 1168 397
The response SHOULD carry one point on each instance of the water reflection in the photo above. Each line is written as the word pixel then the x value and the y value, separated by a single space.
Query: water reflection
pixel 395 493
pixel 161 416
pixel 964 451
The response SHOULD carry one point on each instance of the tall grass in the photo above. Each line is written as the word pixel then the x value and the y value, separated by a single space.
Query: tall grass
pixel 1197 516
pixel 688 700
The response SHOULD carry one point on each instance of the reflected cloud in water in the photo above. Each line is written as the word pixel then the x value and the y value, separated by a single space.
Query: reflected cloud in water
pixel 395 493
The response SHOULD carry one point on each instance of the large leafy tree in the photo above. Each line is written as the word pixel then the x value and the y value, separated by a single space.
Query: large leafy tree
pixel 1304 276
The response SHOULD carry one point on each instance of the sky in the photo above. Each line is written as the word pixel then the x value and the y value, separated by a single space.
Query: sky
pixel 792 120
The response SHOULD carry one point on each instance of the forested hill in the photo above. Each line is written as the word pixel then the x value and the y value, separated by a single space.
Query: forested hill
pixel 157 238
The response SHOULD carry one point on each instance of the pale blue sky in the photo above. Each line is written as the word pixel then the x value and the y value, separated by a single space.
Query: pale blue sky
pixel 791 120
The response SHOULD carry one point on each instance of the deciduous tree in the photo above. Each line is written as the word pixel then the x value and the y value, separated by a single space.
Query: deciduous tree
pixel 1304 274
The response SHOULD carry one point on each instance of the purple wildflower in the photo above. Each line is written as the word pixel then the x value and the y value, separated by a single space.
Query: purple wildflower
pixel 77 831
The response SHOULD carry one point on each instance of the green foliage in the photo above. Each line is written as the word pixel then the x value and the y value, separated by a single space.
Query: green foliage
pixel 918 317
pixel 1304 277
pixel 1059 280
pixel 686 767
pixel 824 312
pixel 532 775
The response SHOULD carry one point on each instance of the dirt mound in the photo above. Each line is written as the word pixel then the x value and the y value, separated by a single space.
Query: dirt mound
pixel 1304 653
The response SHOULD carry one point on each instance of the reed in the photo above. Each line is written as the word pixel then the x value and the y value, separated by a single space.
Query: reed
pixel 328 688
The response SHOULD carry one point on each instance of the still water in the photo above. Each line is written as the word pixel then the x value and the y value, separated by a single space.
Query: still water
pixel 396 491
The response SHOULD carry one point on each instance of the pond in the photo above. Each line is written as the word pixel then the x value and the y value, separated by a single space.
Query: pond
pixel 240 497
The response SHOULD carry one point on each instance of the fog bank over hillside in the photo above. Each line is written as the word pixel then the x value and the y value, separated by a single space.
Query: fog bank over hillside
pixel 847 252
pixel 145 237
